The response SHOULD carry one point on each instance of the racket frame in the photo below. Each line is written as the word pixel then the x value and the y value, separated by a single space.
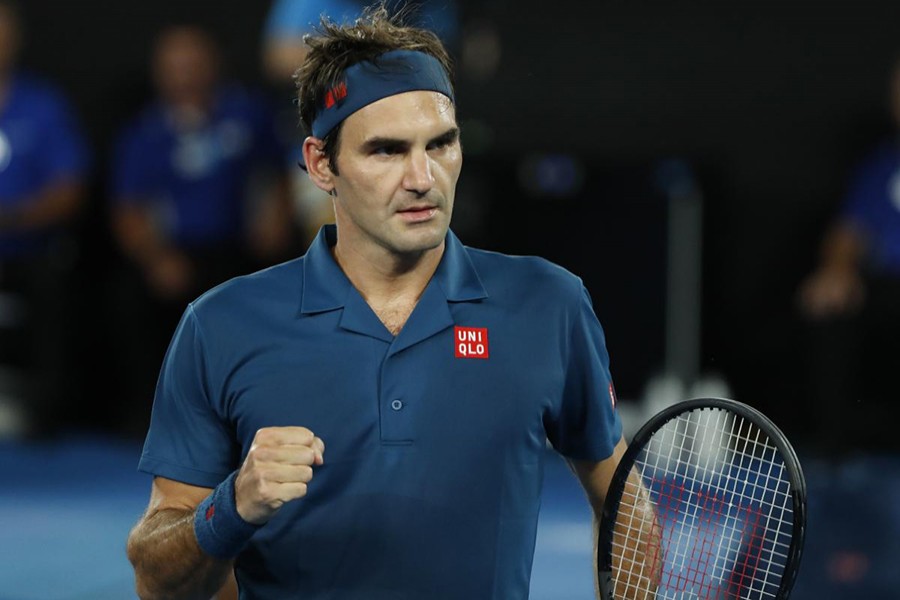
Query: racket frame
pixel 642 438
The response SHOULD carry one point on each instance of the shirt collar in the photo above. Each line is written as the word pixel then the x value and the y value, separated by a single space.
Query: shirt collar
pixel 325 287
pixel 457 275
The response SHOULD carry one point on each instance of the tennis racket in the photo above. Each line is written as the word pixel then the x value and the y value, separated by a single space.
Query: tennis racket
pixel 708 503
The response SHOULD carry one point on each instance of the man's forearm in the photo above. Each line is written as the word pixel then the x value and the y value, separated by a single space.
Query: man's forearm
pixel 637 539
pixel 55 205
pixel 168 562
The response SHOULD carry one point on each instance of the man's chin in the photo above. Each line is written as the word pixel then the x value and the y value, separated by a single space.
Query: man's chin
pixel 420 239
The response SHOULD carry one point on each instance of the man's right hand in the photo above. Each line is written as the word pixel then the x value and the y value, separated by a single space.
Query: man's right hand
pixel 277 469
pixel 831 293
pixel 170 275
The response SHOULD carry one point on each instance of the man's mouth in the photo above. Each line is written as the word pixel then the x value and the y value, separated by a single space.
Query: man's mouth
pixel 418 214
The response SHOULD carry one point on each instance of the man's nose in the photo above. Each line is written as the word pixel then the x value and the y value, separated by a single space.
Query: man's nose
pixel 418 177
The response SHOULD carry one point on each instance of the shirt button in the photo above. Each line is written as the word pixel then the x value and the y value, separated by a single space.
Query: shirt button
pixel 396 404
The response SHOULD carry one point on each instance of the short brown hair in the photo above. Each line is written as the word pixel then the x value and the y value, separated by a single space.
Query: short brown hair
pixel 334 48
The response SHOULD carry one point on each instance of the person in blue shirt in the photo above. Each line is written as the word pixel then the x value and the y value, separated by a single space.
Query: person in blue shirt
pixel 852 298
pixel 183 170
pixel 44 162
pixel 370 420
pixel 289 21
pixel 199 191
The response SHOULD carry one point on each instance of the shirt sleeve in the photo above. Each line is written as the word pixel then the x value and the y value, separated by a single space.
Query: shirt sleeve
pixel 132 178
pixel 866 192
pixel 188 440
pixel 442 17
pixel 268 145
pixel 588 425
pixel 65 152
pixel 291 18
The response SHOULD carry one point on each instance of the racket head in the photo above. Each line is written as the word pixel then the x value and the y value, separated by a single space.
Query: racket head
pixel 727 471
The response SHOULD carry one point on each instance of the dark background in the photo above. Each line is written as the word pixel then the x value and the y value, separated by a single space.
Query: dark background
pixel 771 101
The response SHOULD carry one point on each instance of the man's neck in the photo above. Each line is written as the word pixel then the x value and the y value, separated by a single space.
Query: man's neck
pixel 189 113
pixel 383 277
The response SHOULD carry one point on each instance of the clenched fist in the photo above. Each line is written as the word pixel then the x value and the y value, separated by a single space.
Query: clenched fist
pixel 277 469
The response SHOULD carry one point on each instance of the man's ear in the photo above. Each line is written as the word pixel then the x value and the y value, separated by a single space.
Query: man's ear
pixel 317 164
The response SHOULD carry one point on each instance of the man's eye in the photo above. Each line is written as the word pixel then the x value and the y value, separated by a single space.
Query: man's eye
pixel 442 144
pixel 385 150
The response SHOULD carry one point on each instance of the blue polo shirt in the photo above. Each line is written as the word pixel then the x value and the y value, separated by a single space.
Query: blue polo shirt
pixel 40 145
pixel 873 206
pixel 196 178
pixel 434 438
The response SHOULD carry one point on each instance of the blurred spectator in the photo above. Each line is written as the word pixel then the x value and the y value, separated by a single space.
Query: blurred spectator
pixel 43 164
pixel 290 20
pixel 283 53
pixel 200 195
pixel 852 298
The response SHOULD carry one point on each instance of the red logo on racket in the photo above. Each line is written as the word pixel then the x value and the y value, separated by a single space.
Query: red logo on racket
pixel 470 342
pixel 612 395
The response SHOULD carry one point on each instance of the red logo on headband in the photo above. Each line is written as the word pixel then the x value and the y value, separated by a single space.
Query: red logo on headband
pixel 335 94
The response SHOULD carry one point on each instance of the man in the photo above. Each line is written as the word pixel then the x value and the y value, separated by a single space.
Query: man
pixel 286 25
pixel 288 21
pixel 434 373
pixel 852 302
pixel 43 169
pixel 184 168
pixel 200 195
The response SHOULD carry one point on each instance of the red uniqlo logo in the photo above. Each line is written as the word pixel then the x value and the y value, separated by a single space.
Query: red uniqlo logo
pixel 470 342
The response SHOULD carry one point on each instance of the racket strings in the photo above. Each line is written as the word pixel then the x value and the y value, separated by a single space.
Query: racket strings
pixel 637 535
pixel 723 518
pixel 709 504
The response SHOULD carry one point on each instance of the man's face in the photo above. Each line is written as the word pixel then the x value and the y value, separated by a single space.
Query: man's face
pixel 399 160
pixel 9 39
pixel 185 66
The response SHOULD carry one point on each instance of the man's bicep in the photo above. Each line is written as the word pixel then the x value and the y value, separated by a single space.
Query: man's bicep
pixel 168 494
pixel 595 476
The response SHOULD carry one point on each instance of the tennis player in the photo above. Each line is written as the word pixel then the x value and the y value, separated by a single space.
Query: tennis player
pixel 369 420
